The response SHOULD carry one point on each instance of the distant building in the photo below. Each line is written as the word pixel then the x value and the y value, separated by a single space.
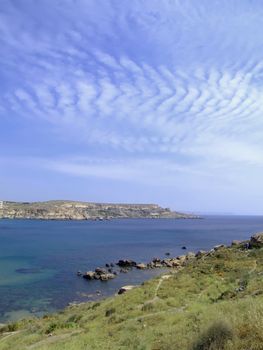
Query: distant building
pixel 1 205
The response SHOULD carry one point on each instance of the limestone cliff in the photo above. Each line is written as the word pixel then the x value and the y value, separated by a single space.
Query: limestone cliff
pixel 73 210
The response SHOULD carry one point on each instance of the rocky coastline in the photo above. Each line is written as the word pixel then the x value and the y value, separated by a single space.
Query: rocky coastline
pixel 75 210
pixel 112 270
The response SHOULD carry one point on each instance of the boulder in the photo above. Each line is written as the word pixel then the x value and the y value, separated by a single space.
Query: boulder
pixel 141 266
pixel 190 255
pixel 181 258
pixel 156 260
pixel 175 262
pixel 89 275
pixel 100 271
pixel 219 246
pixel 167 263
pixel 256 241
pixel 107 276
pixel 236 242
pixel 167 253
pixel 125 289
pixel 126 263
pixel 200 253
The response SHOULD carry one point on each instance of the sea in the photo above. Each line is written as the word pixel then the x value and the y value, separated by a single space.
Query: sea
pixel 39 259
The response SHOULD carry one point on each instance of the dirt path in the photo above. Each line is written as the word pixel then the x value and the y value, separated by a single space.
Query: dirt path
pixel 51 339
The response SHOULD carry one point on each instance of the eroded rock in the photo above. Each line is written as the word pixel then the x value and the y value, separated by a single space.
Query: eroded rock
pixel 256 241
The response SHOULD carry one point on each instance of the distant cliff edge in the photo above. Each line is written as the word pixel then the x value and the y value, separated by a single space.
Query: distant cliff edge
pixel 74 210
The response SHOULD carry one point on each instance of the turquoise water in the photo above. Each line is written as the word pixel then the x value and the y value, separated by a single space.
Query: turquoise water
pixel 39 259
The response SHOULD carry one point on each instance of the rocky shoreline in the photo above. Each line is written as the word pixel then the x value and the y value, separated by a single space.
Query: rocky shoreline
pixel 75 210
pixel 112 270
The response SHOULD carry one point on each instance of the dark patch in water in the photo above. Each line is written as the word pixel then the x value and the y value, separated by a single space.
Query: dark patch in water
pixel 30 270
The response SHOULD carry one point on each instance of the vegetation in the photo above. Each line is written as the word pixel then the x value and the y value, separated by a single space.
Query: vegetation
pixel 213 303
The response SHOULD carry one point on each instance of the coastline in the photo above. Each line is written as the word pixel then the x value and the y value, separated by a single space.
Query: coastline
pixel 74 210
pixel 210 285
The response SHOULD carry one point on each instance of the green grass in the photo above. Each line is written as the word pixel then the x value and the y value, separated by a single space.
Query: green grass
pixel 213 303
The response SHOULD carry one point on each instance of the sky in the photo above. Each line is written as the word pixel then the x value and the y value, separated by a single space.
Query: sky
pixel 143 101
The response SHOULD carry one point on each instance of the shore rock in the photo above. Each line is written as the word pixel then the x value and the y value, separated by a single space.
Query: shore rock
pixel 200 253
pixel 236 242
pixel 141 266
pixel 89 275
pixel 126 263
pixel 107 276
pixel 100 271
pixel 219 246
pixel 256 241
pixel 125 289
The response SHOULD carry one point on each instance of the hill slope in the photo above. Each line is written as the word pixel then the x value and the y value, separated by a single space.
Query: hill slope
pixel 213 301
pixel 73 210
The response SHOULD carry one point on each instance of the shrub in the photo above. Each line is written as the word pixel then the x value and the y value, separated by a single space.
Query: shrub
pixel 109 312
pixel 215 337
pixel 52 327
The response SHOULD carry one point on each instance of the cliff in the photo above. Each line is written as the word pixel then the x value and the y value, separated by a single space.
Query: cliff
pixel 74 210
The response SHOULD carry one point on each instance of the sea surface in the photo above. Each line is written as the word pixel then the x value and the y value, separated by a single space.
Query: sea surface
pixel 39 259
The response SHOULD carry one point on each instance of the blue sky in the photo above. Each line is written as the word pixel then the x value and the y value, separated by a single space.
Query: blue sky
pixel 133 101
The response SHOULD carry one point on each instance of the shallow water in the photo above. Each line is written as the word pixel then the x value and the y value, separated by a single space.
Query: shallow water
pixel 39 259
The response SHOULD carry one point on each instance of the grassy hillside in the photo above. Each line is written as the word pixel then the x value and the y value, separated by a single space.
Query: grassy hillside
pixel 213 302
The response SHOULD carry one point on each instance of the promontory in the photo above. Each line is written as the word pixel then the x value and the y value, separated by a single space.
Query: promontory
pixel 75 210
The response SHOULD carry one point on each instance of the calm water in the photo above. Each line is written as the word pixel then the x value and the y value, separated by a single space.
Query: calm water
pixel 39 259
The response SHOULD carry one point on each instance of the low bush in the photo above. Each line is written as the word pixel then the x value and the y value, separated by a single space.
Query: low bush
pixel 215 337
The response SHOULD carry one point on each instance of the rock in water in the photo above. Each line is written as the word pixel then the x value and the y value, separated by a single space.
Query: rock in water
pixel 89 275
pixel 141 266
pixel 107 276
pixel 126 263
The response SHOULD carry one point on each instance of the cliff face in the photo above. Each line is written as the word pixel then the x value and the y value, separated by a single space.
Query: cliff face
pixel 71 210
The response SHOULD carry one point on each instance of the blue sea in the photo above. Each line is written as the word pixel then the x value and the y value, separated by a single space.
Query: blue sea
pixel 39 259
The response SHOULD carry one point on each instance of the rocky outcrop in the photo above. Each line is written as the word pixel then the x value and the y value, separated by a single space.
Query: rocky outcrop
pixel 126 263
pixel 71 210
pixel 98 274
pixel 256 241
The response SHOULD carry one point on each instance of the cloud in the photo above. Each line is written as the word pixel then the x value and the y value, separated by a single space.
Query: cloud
pixel 176 84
